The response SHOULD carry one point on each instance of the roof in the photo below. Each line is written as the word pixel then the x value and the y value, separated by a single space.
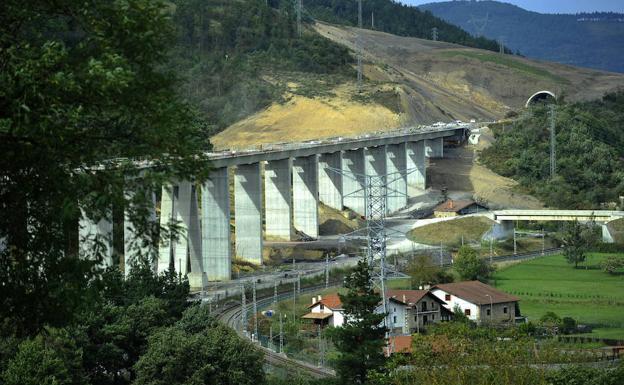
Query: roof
pixel 453 206
pixel 321 316
pixel 399 344
pixel 332 301
pixel 409 297
pixel 476 292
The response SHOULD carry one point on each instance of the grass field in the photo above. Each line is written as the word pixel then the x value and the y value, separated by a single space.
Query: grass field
pixel 450 233
pixel 508 61
pixel 587 294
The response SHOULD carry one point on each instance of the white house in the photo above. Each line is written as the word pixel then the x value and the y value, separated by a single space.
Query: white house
pixel 478 301
pixel 326 311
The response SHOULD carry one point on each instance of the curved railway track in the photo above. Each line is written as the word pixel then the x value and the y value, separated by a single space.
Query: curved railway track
pixel 231 316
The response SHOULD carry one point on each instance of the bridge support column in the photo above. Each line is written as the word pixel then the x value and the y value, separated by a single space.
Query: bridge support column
pixel 375 164
pixel 197 277
pixel 606 234
pixel 277 199
pixel 502 230
pixel 397 178
pixel 353 180
pixel 92 234
pixel 435 148
pixel 248 212
pixel 165 249
pixel 134 244
pixel 216 254
pixel 330 179
pixel 305 195
pixel 416 164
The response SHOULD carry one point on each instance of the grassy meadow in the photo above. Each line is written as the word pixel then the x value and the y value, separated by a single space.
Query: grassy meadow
pixel 588 294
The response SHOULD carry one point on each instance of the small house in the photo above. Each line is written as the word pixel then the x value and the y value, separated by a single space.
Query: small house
pixel 326 311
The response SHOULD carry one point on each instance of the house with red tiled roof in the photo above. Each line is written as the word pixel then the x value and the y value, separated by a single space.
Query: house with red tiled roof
pixel 412 310
pixel 478 301
pixel 398 345
pixel 326 311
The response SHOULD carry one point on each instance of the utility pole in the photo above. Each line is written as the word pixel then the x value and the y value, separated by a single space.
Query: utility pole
pixel 553 143
pixel 372 20
pixel 515 244
pixel 243 310
pixel 359 47
pixel 441 256
pixel 491 250
pixel 434 33
pixel 270 337
pixel 294 298
pixel 543 242
pixel 326 271
pixel 298 283
pixel 255 311
pixel 501 45
pixel 275 294
pixel 281 336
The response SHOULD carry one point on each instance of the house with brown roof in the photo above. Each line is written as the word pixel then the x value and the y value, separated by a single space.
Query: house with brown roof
pixel 454 208
pixel 398 345
pixel 478 301
pixel 326 311
pixel 412 310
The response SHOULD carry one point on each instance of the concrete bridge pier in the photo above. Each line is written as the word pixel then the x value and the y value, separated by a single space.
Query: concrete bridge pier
pixel 91 233
pixel 277 199
pixel 435 148
pixel 305 195
pixel 416 165
pixel 330 179
pixel 197 276
pixel 606 234
pixel 397 177
pixel 165 254
pixel 248 212
pixel 216 253
pixel 135 245
pixel 353 180
pixel 501 230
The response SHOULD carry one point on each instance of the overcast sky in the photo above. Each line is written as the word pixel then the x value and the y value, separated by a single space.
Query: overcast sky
pixel 555 6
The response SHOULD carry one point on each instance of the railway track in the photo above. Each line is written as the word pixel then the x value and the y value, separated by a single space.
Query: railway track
pixel 231 316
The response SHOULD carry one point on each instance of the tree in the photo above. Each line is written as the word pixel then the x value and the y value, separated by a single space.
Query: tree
pixel 84 94
pixel 577 240
pixel 422 270
pixel 470 266
pixel 50 358
pixel 198 351
pixel 361 339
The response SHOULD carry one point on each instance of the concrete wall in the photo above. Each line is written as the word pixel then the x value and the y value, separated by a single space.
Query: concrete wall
pixel 396 167
pixel 165 251
pixel 330 179
pixel 248 212
pixel 277 199
pixel 434 148
pixel 216 251
pixel 305 195
pixel 96 237
pixel 136 244
pixel 498 314
pixel 353 180
pixel 416 164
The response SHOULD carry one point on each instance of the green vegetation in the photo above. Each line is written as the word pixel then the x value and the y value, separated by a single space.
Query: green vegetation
pixel 588 294
pixel 395 18
pixel 590 153
pixel 617 230
pixel 423 271
pixel 470 267
pixel 236 56
pixel 450 232
pixel 507 61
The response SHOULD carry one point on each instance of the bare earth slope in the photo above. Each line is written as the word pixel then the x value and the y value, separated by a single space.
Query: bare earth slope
pixel 444 81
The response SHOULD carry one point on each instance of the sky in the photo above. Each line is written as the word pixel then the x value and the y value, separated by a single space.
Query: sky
pixel 554 6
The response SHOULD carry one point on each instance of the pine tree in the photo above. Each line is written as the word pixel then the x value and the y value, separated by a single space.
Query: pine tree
pixel 361 340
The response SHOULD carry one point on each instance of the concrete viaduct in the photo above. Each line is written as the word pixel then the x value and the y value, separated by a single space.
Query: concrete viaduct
pixel 280 186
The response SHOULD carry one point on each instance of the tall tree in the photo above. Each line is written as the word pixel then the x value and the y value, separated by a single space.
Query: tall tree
pixel 83 96
pixel 360 340
pixel 577 240
pixel 470 266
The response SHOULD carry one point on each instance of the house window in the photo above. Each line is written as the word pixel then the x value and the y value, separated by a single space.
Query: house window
pixel 467 312
pixel 394 309
pixel 447 297
pixel 394 320
pixel 505 310
pixel 322 307
pixel 424 306
pixel 433 317
pixel 489 311
pixel 415 318
pixel 424 319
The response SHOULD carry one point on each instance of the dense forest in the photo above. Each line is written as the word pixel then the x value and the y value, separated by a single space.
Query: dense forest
pixel 231 54
pixel 590 152
pixel 396 18
pixel 591 40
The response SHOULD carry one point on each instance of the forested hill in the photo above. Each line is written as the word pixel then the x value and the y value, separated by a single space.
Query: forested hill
pixel 590 153
pixel 236 55
pixel 395 18
pixel 585 40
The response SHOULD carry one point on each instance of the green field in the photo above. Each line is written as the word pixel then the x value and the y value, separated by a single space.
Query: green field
pixel 450 233
pixel 587 294
pixel 508 61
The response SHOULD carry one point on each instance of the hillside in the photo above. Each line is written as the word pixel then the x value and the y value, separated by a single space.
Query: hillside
pixel 584 40
pixel 411 81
